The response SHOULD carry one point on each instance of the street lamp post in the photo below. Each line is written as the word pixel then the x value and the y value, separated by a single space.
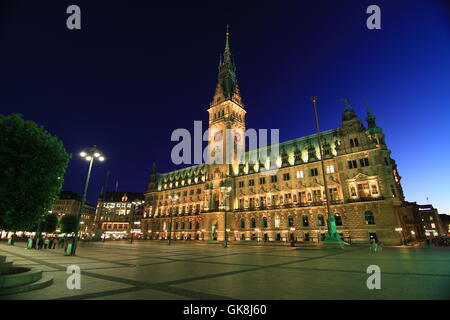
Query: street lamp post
pixel 90 154
pixel 226 193
pixel 332 235
pixel 173 198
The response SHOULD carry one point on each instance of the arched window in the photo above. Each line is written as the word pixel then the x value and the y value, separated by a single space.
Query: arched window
pixel 305 220
pixel 277 222
pixel 242 224
pixel 320 220
pixel 338 219
pixel 368 216
pixel 264 222
pixel 374 189
pixel 290 221
pixel 253 223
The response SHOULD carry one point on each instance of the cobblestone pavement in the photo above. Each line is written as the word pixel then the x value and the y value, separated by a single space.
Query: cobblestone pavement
pixel 154 270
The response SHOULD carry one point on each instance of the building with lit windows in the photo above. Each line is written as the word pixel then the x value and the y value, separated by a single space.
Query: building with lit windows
pixel 69 203
pixel 282 199
pixel 445 223
pixel 119 214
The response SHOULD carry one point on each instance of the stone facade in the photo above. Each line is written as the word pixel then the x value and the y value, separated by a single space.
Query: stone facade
pixel 69 203
pixel 279 198
pixel 119 214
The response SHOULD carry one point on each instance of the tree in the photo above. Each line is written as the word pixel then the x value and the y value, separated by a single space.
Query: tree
pixel 32 167
pixel 49 224
pixel 69 223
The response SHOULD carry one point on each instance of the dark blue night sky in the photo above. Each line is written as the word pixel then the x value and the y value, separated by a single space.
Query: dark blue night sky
pixel 140 69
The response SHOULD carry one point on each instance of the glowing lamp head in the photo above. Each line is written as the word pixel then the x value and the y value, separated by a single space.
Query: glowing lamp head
pixel 88 158
pixel 96 154
pixel 83 154
pixel 101 158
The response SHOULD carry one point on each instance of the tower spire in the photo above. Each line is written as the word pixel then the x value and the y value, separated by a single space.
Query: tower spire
pixel 227 35
pixel 227 87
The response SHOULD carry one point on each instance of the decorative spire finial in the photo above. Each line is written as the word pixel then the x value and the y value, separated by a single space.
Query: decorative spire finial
pixel 227 34
pixel 346 103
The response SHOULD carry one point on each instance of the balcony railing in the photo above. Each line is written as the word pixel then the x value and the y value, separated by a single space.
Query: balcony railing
pixel 364 199
pixel 289 205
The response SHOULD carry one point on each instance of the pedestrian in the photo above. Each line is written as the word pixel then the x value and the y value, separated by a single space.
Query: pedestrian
pixel 55 240
pixel 50 242
pixel 41 243
pixel 46 242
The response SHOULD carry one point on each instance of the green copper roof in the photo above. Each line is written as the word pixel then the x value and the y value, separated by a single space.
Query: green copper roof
pixel 227 71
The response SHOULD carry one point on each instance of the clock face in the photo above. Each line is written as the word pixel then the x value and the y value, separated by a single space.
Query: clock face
pixel 218 136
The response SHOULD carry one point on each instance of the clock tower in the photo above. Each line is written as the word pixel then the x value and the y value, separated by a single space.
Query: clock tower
pixel 226 134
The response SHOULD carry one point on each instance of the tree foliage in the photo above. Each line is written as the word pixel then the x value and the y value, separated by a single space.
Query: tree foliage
pixel 69 223
pixel 50 223
pixel 32 167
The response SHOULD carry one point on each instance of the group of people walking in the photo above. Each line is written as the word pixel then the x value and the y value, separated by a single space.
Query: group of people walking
pixel 49 243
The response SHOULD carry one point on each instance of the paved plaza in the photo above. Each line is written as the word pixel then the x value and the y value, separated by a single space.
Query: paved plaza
pixel 154 270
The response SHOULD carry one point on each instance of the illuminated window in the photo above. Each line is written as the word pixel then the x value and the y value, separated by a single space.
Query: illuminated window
pixel 330 169
pixel 300 174
pixel 277 222
pixel 433 225
pixel 374 189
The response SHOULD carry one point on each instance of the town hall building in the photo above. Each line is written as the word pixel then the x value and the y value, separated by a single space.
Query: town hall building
pixel 280 199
